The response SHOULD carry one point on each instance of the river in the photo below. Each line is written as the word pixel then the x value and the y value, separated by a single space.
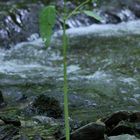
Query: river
pixel 103 69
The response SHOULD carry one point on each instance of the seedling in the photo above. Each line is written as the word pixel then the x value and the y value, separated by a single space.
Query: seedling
pixel 47 21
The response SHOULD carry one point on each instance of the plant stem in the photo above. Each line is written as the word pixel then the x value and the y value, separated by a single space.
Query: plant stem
pixel 77 8
pixel 66 111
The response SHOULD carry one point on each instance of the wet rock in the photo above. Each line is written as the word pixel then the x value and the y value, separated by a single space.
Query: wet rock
pixel 135 7
pixel 137 128
pixel 75 124
pixel 1 98
pixel 123 122
pixel 135 117
pixel 2 102
pixel 113 11
pixel 7 132
pixel 118 11
pixel 115 15
pixel 10 121
pixel 116 117
pixel 21 98
pixel 2 122
pixel 122 128
pixel 17 23
pixel 91 131
pixel 23 137
pixel 80 20
pixel 38 137
pixel 48 106
pixel 123 137
pixel 44 120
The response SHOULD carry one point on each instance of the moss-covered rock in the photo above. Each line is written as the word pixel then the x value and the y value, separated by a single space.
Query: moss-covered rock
pixel 47 105
pixel 44 105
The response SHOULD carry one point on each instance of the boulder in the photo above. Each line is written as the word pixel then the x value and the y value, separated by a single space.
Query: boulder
pixel 47 106
pixel 91 131
pixel 116 117
pixel 122 122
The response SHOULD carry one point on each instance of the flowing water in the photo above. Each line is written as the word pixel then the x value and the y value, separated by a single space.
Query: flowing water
pixel 103 74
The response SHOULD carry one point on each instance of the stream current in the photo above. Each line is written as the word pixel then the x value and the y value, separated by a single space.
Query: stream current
pixel 103 69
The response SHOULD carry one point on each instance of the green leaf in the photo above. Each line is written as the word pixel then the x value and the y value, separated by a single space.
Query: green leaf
pixel 47 21
pixel 92 14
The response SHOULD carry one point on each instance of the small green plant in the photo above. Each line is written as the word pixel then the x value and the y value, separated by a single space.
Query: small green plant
pixel 47 22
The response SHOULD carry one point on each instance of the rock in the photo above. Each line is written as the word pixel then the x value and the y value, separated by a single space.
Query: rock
pixel 21 98
pixel 2 122
pixel 1 98
pixel 23 137
pixel 44 120
pixel 135 117
pixel 123 137
pixel 7 132
pixel 48 106
pixel 2 102
pixel 29 123
pixel 14 22
pixel 11 121
pixel 118 11
pixel 135 7
pixel 137 128
pixel 38 137
pixel 122 128
pixel 116 15
pixel 91 131
pixel 115 118
pixel 123 122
